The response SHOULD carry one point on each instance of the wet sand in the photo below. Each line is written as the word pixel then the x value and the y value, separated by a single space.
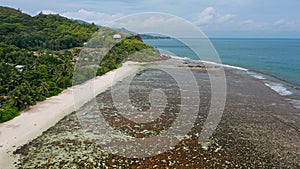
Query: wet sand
pixel 259 128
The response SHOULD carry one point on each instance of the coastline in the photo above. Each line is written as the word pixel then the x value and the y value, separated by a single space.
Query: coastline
pixel 254 125
pixel 259 129
pixel 289 91
pixel 32 123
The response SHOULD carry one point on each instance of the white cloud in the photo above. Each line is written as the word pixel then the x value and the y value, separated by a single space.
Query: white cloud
pixel 88 16
pixel 225 18
pixel 91 16
pixel 156 23
pixel 247 22
pixel 210 16
pixel 279 22
pixel 286 24
pixel 208 19
pixel 47 12
pixel 232 2
pixel 205 16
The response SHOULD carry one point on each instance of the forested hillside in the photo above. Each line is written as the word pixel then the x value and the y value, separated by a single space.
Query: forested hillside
pixel 42 31
pixel 38 54
pixel 32 64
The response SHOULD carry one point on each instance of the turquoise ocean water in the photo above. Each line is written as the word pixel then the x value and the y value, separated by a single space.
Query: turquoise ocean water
pixel 275 61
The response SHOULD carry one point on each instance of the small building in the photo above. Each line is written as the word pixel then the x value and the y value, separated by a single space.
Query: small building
pixel 20 67
pixel 36 53
pixel 117 37
pixel 4 97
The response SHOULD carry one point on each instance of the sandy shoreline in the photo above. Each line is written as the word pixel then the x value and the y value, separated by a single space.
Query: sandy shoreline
pixel 259 129
pixel 42 116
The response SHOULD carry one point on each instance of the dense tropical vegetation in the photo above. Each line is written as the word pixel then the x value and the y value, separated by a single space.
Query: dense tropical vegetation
pixel 37 56
pixel 33 65
pixel 102 53
pixel 37 78
pixel 42 31
pixel 130 48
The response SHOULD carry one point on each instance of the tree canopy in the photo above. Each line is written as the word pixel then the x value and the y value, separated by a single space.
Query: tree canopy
pixel 33 65
pixel 42 31
pixel 37 56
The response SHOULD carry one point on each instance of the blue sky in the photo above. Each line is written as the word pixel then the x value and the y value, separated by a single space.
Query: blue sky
pixel 216 18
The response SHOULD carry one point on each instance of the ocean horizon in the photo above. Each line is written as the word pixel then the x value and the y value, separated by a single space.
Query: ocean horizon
pixel 274 61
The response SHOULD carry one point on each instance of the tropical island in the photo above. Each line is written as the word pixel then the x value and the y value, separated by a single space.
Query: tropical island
pixel 42 56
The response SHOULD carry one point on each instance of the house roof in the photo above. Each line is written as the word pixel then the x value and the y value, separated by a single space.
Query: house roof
pixel 117 36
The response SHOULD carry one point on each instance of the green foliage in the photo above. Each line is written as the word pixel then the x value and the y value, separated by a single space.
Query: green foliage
pixel 19 99
pixel 45 76
pixel 103 38
pixel 42 31
pixel 27 77
pixel 42 75
pixel 10 77
pixel 83 74
pixel 145 55
pixel 8 112
pixel 127 49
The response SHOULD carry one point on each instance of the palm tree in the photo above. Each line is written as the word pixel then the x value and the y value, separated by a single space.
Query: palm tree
pixel 44 87
pixel 21 96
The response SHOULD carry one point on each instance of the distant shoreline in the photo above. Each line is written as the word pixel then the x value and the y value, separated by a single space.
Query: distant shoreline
pixel 288 91
pixel 261 55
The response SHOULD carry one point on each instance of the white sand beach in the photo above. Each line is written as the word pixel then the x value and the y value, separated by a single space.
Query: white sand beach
pixel 31 123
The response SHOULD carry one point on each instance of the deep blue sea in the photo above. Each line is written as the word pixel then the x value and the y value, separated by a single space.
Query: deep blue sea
pixel 277 60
